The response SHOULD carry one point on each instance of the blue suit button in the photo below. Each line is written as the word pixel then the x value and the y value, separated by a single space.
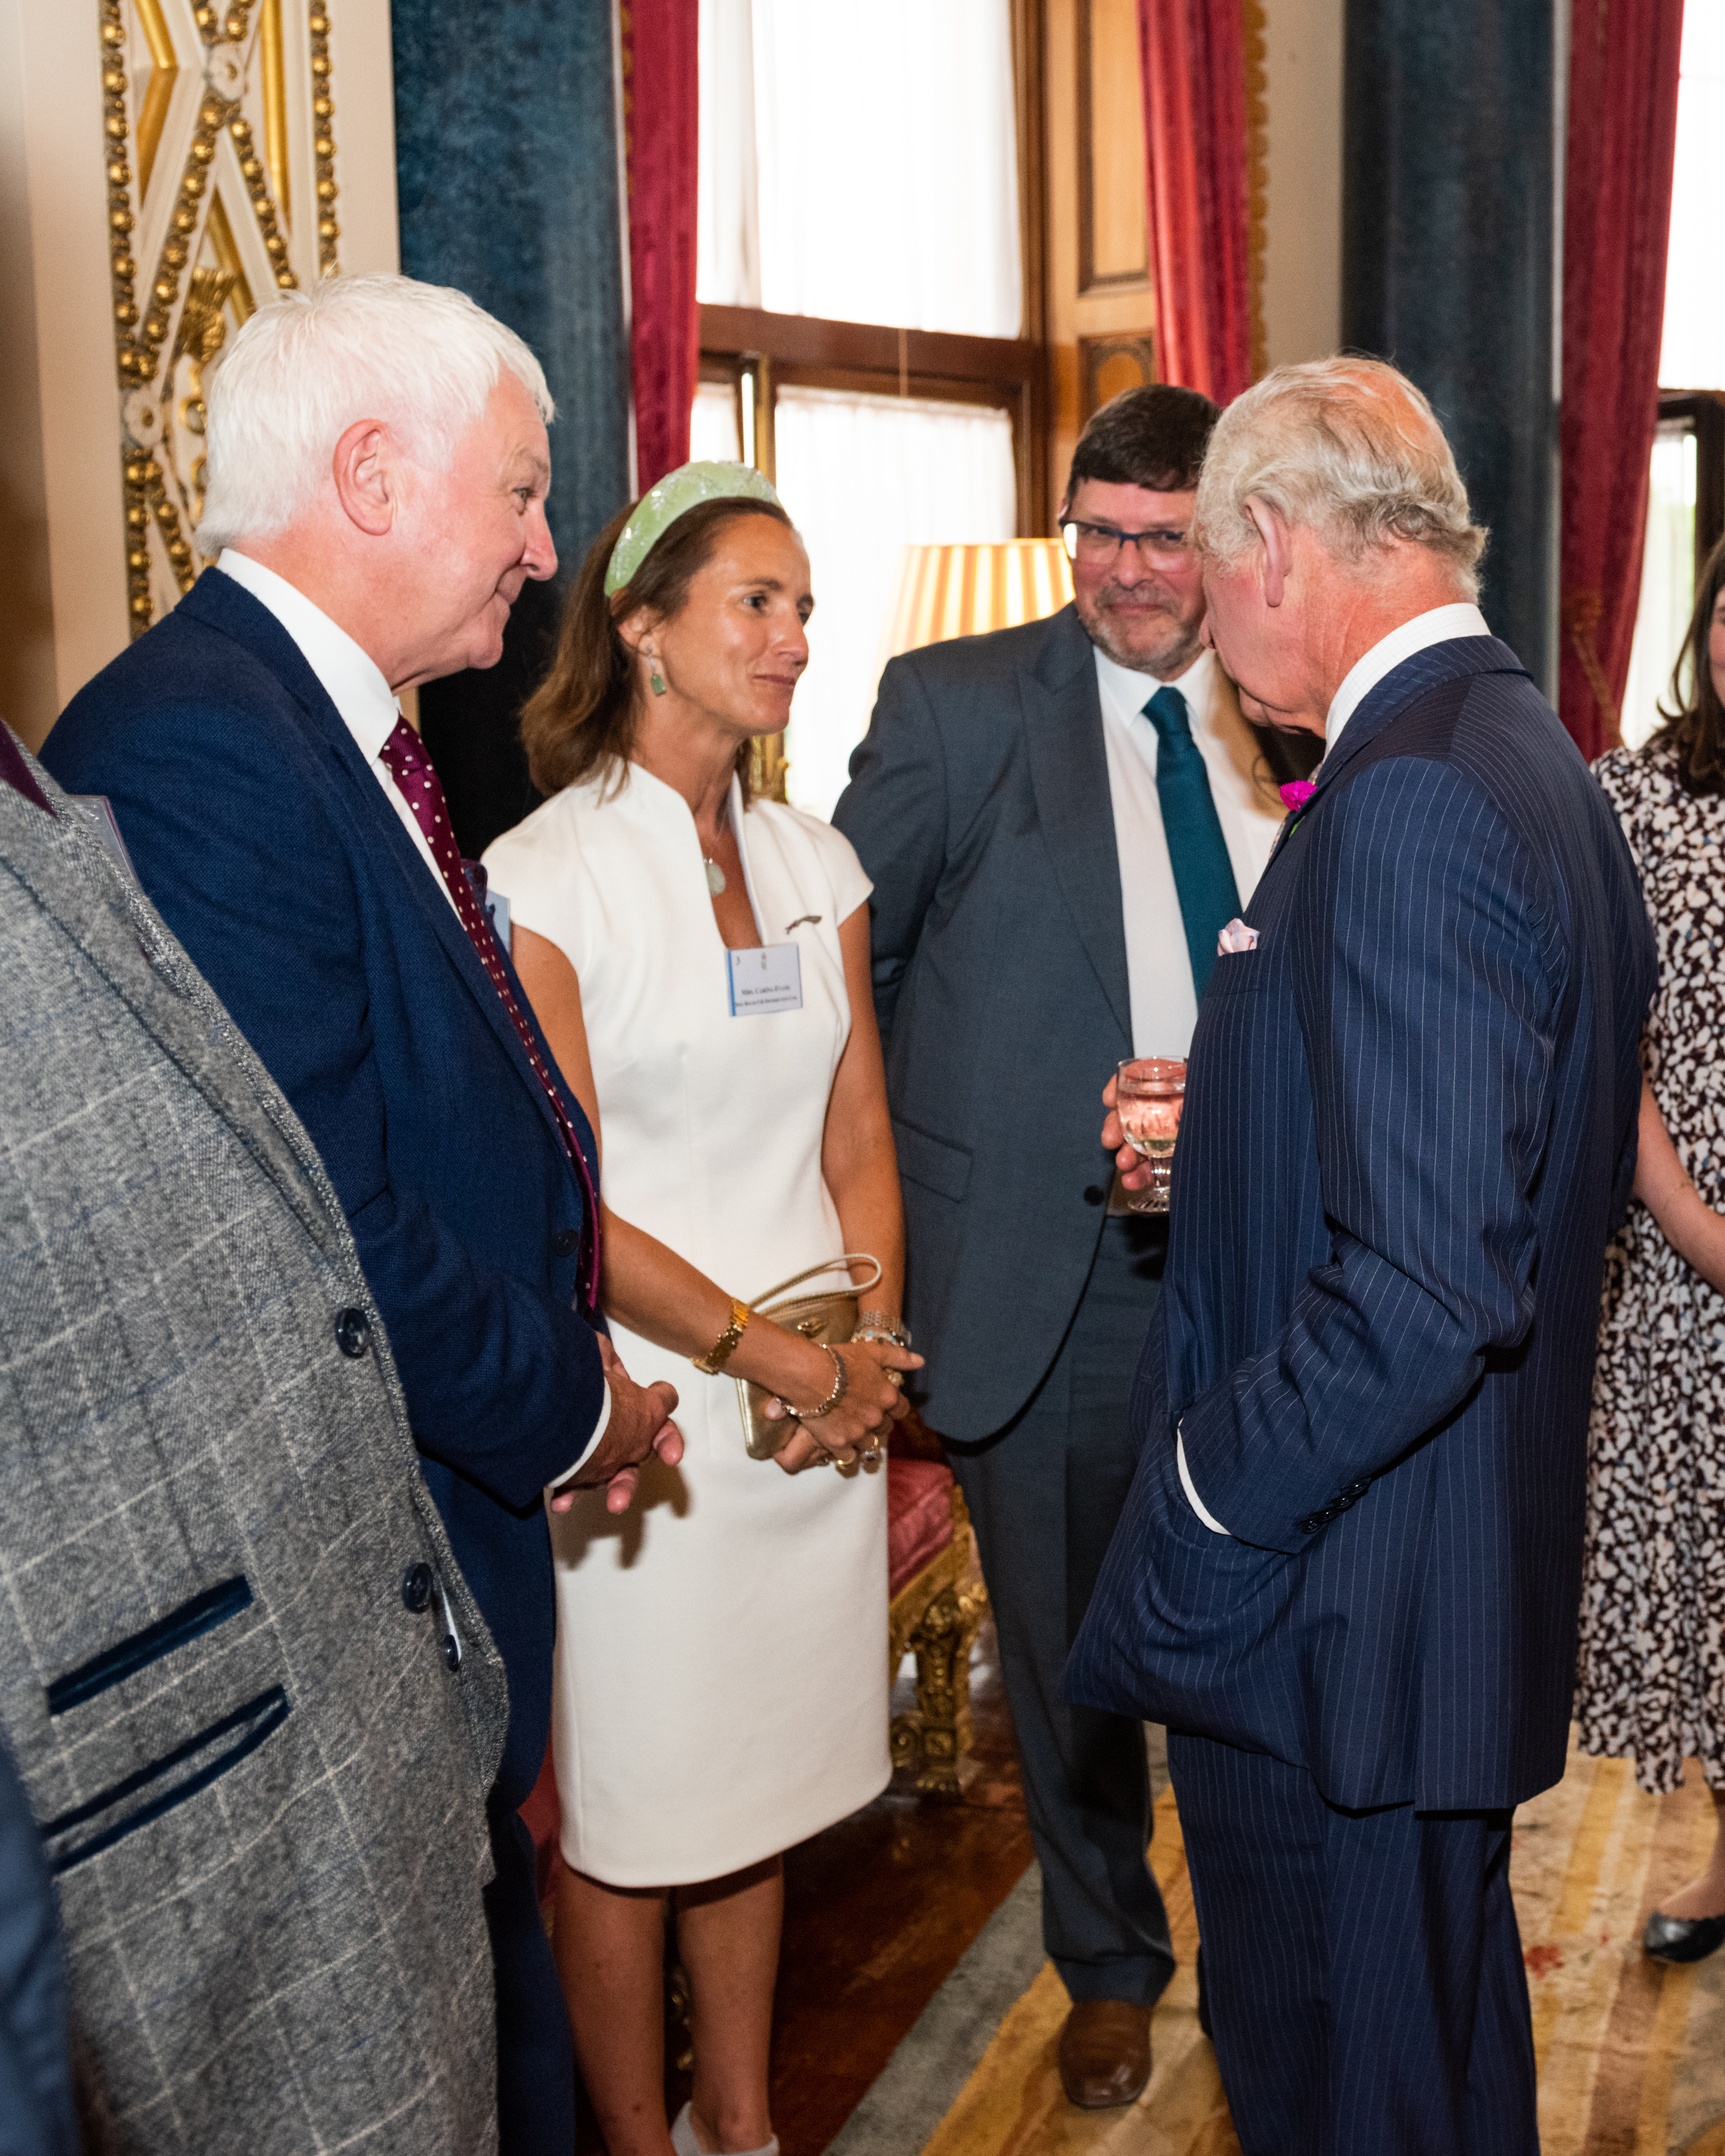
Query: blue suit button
pixel 1094 1194
pixel 416 1587
pixel 353 1328
pixel 565 1242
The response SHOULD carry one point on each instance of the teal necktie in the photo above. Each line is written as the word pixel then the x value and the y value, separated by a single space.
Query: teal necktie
pixel 1204 875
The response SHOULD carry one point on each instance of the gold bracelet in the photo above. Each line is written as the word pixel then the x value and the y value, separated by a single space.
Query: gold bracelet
pixel 719 1354
pixel 840 1380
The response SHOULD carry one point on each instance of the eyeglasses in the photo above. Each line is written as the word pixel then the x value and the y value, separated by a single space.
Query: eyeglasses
pixel 1098 545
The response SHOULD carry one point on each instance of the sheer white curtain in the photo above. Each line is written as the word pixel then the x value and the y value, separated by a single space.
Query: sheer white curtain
pixel 861 162
pixel 1693 356
pixel 1667 583
pixel 727 216
pixel 864 476
pixel 713 434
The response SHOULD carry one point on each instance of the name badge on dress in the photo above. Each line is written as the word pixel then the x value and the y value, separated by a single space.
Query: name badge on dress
pixel 765 981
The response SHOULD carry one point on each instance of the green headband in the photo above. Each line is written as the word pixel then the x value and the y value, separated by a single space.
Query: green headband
pixel 677 493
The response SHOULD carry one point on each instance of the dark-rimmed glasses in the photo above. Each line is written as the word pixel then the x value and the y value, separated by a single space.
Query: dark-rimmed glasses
pixel 1098 545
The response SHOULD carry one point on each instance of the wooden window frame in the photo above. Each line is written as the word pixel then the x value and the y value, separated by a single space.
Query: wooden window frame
pixel 757 350
pixel 761 351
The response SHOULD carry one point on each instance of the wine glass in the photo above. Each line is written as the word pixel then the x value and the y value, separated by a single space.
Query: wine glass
pixel 1149 1092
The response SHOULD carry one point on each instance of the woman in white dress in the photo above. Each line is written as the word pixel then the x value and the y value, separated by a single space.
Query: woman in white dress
pixel 699 964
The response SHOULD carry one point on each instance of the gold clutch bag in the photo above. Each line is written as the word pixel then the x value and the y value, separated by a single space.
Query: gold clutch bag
pixel 829 1317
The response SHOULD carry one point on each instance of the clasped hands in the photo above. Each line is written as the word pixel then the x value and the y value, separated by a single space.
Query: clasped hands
pixel 853 1428
pixel 640 1424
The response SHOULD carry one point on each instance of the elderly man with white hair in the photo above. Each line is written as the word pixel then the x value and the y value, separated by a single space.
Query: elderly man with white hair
pixel 1348 1575
pixel 378 465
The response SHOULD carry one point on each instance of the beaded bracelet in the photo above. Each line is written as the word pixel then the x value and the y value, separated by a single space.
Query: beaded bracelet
pixel 833 1399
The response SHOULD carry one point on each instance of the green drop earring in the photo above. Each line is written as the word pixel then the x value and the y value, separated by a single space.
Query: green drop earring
pixel 655 679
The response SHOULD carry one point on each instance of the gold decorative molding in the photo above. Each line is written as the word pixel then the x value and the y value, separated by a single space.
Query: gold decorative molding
pixel 1257 110
pixel 179 160
pixel 273 70
pixel 323 114
pixel 158 93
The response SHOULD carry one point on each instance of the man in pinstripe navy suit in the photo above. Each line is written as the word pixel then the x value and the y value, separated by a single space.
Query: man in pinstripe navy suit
pixel 1348 1572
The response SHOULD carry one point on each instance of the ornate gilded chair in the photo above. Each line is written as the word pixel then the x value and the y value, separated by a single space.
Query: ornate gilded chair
pixel 938 1602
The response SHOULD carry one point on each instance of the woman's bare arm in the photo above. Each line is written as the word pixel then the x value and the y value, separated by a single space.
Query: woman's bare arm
pixel 646 1286
pixel 1688 1223
pixel 857 1156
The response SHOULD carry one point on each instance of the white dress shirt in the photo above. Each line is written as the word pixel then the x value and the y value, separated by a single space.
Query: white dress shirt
pixel 1158 965
pixel 355 685
pixel 1438 625
pixel 350 676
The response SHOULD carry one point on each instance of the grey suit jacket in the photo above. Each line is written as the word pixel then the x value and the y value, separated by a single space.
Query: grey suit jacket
pixel 222 1582
pixel 980 807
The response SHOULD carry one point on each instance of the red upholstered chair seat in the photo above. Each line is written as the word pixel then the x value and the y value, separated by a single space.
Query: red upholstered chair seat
pixel 919 1516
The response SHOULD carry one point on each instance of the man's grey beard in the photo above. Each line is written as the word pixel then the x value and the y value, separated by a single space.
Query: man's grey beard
pixel 1167 660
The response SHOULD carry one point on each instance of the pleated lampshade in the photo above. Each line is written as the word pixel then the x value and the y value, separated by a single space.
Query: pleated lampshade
pixel 962 591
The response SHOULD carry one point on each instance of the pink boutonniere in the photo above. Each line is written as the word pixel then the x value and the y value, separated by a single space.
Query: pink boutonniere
pixel 1296 793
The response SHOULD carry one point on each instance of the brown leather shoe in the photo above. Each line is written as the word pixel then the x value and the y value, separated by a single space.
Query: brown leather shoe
pixel 1104 2052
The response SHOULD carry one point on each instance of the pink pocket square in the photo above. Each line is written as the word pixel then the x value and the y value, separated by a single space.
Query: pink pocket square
pixel 1236 936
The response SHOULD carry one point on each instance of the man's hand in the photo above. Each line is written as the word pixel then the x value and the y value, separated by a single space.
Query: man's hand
pixel 641 1424
pixel 1134 1169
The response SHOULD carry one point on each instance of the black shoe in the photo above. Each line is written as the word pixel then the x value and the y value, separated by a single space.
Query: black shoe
pixel 1682 1938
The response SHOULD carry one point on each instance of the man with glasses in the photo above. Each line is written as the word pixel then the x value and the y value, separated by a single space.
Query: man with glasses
pixel 1059 821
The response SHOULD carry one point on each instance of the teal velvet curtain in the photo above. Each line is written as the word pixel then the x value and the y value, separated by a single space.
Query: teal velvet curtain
pixel 506 168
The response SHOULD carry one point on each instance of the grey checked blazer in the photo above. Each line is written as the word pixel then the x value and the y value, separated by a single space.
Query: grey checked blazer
pixel 224 1592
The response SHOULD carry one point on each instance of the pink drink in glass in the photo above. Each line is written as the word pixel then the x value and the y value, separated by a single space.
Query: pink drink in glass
pixel 1149 1093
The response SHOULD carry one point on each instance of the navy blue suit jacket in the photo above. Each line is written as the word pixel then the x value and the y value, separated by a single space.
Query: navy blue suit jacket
pixel 1410 1120
pixel 267 843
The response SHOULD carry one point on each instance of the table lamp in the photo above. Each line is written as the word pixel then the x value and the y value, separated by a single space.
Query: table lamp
pixel 949 591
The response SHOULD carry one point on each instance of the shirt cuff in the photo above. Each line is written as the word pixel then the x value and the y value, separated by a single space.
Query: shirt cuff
pixel 1192 1498
pixel 599 1431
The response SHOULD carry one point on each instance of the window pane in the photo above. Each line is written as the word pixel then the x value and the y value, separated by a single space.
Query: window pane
pixel 864 476
pixel 1694 352
pixel 884 186
pixel 712 424
pixel 1667 581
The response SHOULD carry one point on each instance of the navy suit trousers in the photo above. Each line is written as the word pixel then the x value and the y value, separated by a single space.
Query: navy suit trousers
pixel 1364 1971
pixel 536 2054
pixel 1045 1497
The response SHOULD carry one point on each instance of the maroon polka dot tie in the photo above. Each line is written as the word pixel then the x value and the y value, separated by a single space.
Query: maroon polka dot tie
pixel 422 790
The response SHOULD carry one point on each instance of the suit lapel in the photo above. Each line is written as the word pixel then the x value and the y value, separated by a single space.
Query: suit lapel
pixel 1069 775
pixel 1403 685
pixel 225 605
pixel 1383 705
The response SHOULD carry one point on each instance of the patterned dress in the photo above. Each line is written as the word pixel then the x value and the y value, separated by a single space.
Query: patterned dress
pixel 1651 1680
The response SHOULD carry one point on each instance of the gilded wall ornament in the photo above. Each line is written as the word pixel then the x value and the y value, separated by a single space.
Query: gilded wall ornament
pixel 202 160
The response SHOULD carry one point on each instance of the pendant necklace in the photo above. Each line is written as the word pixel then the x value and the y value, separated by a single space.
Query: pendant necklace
pixel 715 874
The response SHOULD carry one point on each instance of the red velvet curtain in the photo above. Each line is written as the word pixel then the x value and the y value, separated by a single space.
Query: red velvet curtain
pixel 661 103
pixel 1193 54
pixel 1622 132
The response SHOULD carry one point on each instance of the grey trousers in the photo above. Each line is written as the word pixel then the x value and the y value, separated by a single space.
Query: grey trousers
pixel 1045 1495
